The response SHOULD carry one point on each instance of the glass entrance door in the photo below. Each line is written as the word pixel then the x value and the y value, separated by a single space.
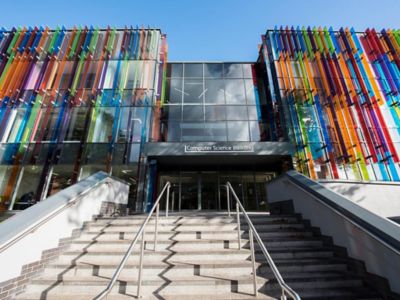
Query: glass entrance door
pixel 209 190
pixel 190 192
pixel 206 190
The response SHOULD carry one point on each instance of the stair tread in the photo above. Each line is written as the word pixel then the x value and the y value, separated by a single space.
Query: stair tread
pixel 86 280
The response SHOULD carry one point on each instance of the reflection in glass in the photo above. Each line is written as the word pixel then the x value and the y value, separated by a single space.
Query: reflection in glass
pixel 247 71
pixel 193 91
pixel 215 131
pixel 102 131
pixel 5 174
pixel 213 70
pixel 215 113
pixel 96 153
pixel 14 124
pixel 238 131
pixel 174 90
pixel 233 70
pixel 193 113
pixel 61 178
pixel 250 92
pixel 234 91
pixel 174 112
pixel 88 170
pixel 236 112
pixel 253 113
pixel 76 126
pixel 214 91
pixel 194 70
pixel 134 153
pixel 174 70
pixel 171 132
pixel 192 132
pixel 255 135
pixel 68 153
pixel 28 185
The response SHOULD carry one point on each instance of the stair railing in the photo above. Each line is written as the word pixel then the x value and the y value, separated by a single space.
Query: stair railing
pixel 141 233
pixel 254 234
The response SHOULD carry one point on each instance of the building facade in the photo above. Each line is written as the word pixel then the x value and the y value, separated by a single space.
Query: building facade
pixel 74 102
pixel 339 96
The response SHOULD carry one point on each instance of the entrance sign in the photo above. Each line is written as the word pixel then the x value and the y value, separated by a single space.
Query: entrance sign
pixel 198 148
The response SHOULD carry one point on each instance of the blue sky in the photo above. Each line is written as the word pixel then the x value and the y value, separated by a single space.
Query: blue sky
pixel 212 30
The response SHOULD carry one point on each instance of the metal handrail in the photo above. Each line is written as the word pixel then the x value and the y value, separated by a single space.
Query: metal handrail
pixel 141 232
pixel 253 233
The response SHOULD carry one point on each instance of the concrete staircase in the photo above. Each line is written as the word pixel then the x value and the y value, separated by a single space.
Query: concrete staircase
pixel 198 258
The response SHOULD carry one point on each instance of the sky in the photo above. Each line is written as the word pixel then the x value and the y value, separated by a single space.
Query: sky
pixel 205 30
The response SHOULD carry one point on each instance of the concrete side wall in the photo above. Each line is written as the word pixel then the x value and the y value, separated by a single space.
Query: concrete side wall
pixel 30 247
pixel 382 199
pixel 379 258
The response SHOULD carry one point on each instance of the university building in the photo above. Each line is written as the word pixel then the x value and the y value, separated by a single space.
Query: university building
pixel 128 175
pixel 77 101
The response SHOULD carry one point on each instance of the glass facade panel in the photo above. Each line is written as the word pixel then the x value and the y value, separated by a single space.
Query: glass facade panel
pixel 236 112
pixel 172 132
pixel 247 70
pixel 90 109
pixel 238 131
pixel 235 92
pixel 253 112
pixel 233 71
pixel 213 70
pixel 223 94
pixel 216 131
pixel 193 91
pixel 250 92
pixel 215 113
pixel 214 91
pixel 193 70
pixel 193 113
pixel 175 70
pixel 76 128
pixel 174 90
pixel 192 132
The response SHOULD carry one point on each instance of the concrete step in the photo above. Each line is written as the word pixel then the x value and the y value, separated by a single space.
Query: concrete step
pixel 162 245
pixel 174 271
pixel 194 235
pixel 287 268
pixel 231 296
pixel 190 227
pixel 185 286
pixel 349 293
pixel 188 257
pixel 192 258
pixel 171 220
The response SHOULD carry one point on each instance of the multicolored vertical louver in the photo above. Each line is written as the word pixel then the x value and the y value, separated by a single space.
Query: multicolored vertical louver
pixel 339 94
pixel 73 98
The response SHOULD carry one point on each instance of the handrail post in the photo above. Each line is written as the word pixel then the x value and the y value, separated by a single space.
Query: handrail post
pixel 156 227
pixel 167 204
pixel 253 262
pixel 228 202
pixel 283 297
pixel 238 225
pixel 140 267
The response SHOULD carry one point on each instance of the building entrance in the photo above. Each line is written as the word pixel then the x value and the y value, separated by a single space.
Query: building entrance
pixel 206 190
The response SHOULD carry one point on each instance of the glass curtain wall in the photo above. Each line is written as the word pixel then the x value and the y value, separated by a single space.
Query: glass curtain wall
pixel 74 102
pixel 215 102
